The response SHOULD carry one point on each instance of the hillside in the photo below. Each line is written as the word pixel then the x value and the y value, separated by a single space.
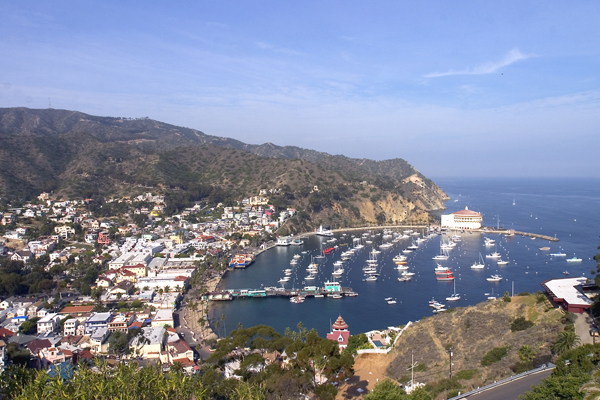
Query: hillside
pixel 79 155
pixel 472 332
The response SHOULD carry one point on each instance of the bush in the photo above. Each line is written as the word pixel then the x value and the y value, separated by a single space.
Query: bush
pixel 466 374
pixel 523 294
pixel 494 355
pixel 520 324
pixel 506 297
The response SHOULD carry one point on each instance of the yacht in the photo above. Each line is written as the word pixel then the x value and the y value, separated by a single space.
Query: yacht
pixel 391 301
pixel 502 262
pixel 494 278
pixel 371 278
pixel 493 255
pixel 402 267
pixel 405 278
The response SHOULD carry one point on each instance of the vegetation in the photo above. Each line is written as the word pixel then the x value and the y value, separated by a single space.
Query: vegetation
pixel 520 324
pixel 390 390
pixel 494 355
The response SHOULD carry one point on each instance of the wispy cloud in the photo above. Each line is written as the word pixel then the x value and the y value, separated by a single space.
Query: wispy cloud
pixel 269 46
pixel 487 68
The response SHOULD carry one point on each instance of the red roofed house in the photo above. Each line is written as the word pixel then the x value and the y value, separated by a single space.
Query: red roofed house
pixel 339 333
pixel 464 219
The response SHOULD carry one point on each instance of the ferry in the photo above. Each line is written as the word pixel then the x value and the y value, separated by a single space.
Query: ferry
pixel 324 232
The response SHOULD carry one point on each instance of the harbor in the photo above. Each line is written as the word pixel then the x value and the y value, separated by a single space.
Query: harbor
pixel 331 289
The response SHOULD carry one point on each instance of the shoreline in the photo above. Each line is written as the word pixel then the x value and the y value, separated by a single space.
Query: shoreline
pixel 213 284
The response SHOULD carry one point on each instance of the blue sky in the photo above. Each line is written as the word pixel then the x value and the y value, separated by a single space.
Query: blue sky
pixel 470 88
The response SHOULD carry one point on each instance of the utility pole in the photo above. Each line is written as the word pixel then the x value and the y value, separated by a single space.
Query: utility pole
pixel 450 354
pixel 412 370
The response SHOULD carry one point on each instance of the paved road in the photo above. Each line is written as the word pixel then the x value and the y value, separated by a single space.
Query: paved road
pixel 512 390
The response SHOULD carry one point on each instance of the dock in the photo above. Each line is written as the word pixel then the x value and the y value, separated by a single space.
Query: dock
pixel 531 235
pixel 310 291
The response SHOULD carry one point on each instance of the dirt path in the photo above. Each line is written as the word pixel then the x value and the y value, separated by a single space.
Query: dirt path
pixel 368 370
pixel 582 328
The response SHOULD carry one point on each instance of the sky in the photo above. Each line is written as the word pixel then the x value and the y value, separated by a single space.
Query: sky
pixel 469 88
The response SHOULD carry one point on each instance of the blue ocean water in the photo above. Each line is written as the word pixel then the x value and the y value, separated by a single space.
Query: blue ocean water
pixel 565 208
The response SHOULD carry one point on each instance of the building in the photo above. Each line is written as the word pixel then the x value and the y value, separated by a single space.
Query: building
pixel 48 324
pixel 464 219
pixel 569 293
pixel 339 333
pixel 97 320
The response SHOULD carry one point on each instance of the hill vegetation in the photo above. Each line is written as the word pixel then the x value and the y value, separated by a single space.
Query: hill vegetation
pixel 77 155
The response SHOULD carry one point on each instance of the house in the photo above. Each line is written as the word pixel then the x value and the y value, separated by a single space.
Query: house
pixel 121 323
pixel 91 237
pixel 23 255
pixel 32 310
pixel 51 356
pixel 36 345
pixel 569 293
pixel 98 338
pixel 81 313
pixel 104 237
pixel 64 231
pixel 49 324
pixel 152 344
pixel 163 317
pixel 70 327
pixel 97 320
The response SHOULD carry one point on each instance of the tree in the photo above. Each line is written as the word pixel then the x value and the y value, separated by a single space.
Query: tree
pixel 526 353
pixel 387 389
pixel 29 327
pixel 566 340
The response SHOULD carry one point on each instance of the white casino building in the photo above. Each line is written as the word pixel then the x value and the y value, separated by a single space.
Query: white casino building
pixel 464 219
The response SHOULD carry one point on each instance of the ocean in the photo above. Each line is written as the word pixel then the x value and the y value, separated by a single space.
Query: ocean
pixel 565 208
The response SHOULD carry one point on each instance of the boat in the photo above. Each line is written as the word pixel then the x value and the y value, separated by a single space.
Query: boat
pixel 493 255
pixel 388 299
pixel 574 259
pixel 448 277
pixel 502 262
pixel 294 262
pixel 296 256
pixel 284 279
pixel 319 296
pixel 494 278
pixel 444 271
pixel 310 277
pixel 544 248
pixel 371 278
pixel 328 250
pixel 399 259
pixel 297 299
pixel 402 267
pixel 405 278
pixel 439 310
pixel 566 272
pixel 406 273
pixel 440 268
pixel 338 272
pixel 297 242
pixel 406 251
pixel 336 296
pixel 413 246
pixel 391 301
pixel 454 296
pixel 351 294
pixel 478 264
pixel 284 240
pixel 559 254
pixel 386 245
pixel 375 251
pixel 324 232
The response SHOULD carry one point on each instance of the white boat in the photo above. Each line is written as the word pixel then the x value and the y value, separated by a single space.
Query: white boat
pixel 284 279
pixel 338 272
pixel 310 277
pixel 399 258
pixel 559 254
pixel 406 251
pixel 489 242
pixel 404 278
pixel 402 267
pixel 323 232
pixel 453 297
pixel 371 278
pixel 478 264
pixel 406 273
pixel 391 301
pixel 287 273
pixel 386 245
pixel 494 278
pixel 319 296
pixel 574 259
pixel 297 299
pixel 493 255
pixel 294 262
pixel 546 248
pixel 439 268
pixel 502 262
pixel 413 246
pixel 388 298
pixel 284 241
pixel 336 296
pixel 375 251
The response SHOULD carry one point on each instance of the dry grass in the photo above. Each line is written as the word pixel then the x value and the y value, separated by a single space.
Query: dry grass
pixel 472 332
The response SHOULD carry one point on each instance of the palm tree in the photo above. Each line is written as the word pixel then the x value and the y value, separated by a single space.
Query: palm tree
pixel 566 340
pixel 592 388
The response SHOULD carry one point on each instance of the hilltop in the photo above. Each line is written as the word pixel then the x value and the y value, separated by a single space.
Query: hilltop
pixel 78 155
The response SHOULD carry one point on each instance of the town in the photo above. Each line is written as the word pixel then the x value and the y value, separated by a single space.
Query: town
pixel 122 279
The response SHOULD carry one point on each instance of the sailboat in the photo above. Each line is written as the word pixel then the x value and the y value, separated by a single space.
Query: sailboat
pixel 454 296
pixel 478 264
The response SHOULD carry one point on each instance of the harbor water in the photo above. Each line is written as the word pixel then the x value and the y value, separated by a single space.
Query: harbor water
pixel 565 208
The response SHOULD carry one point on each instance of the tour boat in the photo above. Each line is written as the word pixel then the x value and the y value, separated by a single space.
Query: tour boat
pixel 323 232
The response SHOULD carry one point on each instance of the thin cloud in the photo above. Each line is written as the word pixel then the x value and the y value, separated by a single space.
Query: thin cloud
pixel 487 68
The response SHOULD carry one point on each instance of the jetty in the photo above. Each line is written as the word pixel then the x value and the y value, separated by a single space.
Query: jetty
pixel 531 235
pixel 330 289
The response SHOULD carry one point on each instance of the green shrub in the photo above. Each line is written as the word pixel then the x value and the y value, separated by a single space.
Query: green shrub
pixel 520 324
pixel 466 374
pixel 494 356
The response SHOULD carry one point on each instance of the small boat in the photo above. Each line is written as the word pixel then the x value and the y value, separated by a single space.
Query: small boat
pixel 328 250
pixel 448 277
pixel 297 299
pixel 544 248
pixel 494 278
pixel 391 301
pixel 404 278
pixel 493 255
pixel 386 245
pixel 336 296
pixel 388 299
pixel 297 256
pixel 338 272
pixel 454 296
pixel 351 294
pixel 310 277
pixel 478 264
pixel 319 295
pixel 402 267
pixel 371 278
pixel 559 254
pixel 502 262
pixel 406 251
pixel 284 279
pixel 566 272
pixel 574 259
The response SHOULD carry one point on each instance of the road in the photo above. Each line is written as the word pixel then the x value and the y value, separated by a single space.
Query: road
pixel 512 390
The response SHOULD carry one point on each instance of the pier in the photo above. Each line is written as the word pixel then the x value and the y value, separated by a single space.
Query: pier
pixel 531 235
pixel 309 291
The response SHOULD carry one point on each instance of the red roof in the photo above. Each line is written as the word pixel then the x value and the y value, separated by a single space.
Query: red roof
pixel 5 333
pixel 466 211
pixel 341 337
pixel 339 324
